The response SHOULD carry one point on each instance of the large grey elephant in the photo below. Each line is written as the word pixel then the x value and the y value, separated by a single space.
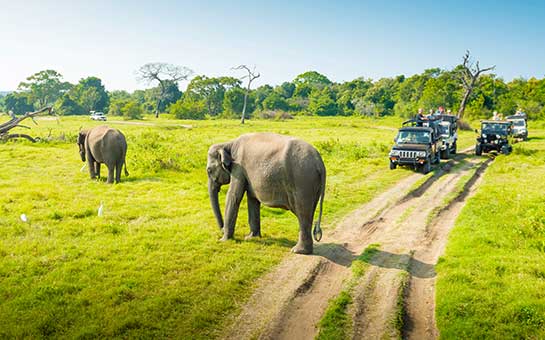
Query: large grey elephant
pixel 103 145
pixel 274 170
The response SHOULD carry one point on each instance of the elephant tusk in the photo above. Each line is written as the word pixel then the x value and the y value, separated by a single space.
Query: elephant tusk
pixel 83 167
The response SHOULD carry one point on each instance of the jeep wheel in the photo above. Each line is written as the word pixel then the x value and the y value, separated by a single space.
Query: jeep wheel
pixel 478 150
pixel 505 149
pixel 426 167
pixel 393 165
pixel 445 154
pixel 454 149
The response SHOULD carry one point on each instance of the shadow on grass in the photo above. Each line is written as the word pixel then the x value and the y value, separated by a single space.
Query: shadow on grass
pixel 535 138
pixel 273 241
pixel 338 254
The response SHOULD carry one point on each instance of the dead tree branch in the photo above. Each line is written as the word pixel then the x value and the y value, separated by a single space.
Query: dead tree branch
pixel 14 123
pixel 469 76
pixel 251 76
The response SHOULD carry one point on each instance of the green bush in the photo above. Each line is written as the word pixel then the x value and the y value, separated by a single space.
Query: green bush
pixel 132 110
pixel 188 109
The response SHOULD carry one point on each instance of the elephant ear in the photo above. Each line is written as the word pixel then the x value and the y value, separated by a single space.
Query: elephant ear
pixel 226 160
pixel 81 136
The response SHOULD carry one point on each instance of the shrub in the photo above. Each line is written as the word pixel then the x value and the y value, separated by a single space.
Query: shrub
pixel 188 109
pixel 132 110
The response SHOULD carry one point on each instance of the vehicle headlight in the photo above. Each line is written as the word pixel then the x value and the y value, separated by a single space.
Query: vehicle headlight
pixel 484 135
pixel 394 153
pixel 421 154
pixel 498 136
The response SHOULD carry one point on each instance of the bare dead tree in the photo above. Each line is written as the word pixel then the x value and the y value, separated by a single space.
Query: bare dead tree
pixel 162 73
pixel 469 76
pixel 251 76
pixel 14 122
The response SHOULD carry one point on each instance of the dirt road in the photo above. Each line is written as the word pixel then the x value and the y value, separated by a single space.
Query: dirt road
pixel 395 296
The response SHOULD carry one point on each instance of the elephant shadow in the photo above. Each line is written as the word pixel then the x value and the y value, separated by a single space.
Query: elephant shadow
pixel 338 254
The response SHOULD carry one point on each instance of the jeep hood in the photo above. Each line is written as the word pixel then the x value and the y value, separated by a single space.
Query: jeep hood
pixel 417 147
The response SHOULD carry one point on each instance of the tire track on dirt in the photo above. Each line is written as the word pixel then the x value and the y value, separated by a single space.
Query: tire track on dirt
pixel 419 318
pixel 290 300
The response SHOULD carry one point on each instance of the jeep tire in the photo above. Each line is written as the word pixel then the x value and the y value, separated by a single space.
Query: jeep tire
pixel 478 150
pixel 426 167
pixel 393 165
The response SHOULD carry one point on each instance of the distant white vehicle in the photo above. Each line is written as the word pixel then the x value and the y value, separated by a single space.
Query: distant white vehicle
pixel 98 116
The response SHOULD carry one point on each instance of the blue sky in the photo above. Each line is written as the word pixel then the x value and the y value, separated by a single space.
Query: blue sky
pixel 341 39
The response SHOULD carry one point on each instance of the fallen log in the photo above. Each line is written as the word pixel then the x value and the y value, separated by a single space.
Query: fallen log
pixel 14 122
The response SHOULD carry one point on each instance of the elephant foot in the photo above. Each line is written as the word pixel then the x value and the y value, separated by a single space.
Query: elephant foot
pixel 299 249
pixel 252 235
pixel 226 238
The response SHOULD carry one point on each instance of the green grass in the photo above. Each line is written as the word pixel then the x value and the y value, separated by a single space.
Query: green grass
pixel 152 265
pixel 491 280
pixel 336 323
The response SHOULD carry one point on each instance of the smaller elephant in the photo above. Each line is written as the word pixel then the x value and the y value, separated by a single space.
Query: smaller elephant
pixel 103 145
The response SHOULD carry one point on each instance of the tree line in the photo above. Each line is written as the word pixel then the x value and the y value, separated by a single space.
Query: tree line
pixel 310 93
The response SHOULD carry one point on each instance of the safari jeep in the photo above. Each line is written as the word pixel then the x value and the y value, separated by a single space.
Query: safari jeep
pixel 494 136
pixel 520 127
pixel 448 128
pixel 417 146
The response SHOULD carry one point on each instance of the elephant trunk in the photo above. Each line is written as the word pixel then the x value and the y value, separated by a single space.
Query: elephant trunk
pixel 213 192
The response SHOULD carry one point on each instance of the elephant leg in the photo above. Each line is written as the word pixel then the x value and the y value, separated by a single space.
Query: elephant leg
pixel 91 165
pixel 254 218
pixel 97 169
pixel 234 197
pixel 111 168
pixel 118 168
pixel 304 244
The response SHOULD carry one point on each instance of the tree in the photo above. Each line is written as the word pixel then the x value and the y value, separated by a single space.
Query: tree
pixel 286 90
pixel 164 74
pixel 275 102
pixel 251 77
pixel 18 102
pixel 211 91
pixel 323 103
pixel 44 87
pixel 469 74
pixel 132 110
pixel 234 101
pixel 313 79
pixel 66 106
pixel 188 108
pixel 88 95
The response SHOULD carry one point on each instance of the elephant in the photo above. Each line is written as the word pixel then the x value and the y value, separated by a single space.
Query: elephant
pixel 103 145
pixel 275 170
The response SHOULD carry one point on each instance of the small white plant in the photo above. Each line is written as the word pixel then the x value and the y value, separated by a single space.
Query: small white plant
pixel 100 209
pixel 24 218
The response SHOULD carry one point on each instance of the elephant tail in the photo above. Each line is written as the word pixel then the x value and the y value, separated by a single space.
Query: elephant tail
pixel 317 232
pixel 126 171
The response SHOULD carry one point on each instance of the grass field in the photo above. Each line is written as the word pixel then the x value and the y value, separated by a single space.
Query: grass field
pixel 152 264
pixel 491 280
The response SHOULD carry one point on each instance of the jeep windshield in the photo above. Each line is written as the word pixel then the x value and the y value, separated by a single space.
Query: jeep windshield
pixel 519 122
pixel 444 129
pixel 413 137
pixel 495 128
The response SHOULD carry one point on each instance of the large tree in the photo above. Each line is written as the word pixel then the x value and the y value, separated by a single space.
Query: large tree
pixel 251 76
pixel 18 102
pixel 44 87
pixel 164 74
pixel 469 73
pixel 211 91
